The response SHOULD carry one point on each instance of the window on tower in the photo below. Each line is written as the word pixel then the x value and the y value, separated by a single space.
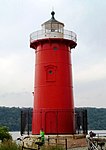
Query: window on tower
pixel 50 73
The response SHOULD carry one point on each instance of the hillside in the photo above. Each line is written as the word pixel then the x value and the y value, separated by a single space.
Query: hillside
pixel 10 117
pixel 96 118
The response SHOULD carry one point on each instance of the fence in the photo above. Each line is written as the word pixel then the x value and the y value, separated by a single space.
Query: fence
pixel 26 121
pixel 81 124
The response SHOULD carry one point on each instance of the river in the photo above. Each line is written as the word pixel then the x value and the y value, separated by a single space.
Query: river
pixel 15 134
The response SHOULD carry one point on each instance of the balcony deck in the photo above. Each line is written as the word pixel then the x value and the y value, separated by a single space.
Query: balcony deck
pixel 40 34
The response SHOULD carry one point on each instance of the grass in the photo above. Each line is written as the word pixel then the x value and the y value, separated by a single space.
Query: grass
pixel 52 148
pixel 9 145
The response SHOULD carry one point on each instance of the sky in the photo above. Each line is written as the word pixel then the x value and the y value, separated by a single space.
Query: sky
pixel 19 18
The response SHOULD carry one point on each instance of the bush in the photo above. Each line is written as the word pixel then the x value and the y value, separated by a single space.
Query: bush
pixel 4 133
pixel 9 145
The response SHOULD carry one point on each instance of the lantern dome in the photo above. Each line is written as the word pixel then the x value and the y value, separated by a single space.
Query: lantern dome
pixel 53 25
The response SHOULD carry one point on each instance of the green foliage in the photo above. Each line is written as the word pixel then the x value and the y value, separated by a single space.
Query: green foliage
pixel 9 145
pixel 96 118
pixel 10 117
pixel 4 133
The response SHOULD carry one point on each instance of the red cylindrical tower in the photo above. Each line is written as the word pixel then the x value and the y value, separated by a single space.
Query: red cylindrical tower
pixel 53 90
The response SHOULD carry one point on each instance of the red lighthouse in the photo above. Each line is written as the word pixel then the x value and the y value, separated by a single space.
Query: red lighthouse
pixel 53 109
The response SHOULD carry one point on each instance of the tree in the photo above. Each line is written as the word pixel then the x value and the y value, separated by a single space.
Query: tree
pixel 4 133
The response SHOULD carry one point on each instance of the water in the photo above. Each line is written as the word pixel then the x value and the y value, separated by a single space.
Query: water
pixel 15 134
pixel 99 132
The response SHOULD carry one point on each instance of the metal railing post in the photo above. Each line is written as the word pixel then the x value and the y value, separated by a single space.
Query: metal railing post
pixel 48 140
pixel 66 144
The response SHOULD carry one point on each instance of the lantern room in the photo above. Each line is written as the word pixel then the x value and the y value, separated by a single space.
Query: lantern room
pixel 53 28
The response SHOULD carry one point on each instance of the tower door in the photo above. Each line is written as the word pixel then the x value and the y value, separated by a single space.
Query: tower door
pixel 51 122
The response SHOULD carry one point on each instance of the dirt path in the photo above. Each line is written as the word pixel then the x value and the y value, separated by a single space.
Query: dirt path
pixel 74 143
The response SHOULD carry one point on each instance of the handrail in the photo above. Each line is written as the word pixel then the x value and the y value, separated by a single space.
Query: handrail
pixel 40 34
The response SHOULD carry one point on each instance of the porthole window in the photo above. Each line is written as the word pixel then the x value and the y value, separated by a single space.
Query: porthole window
pixel 55 48
pixel 50 71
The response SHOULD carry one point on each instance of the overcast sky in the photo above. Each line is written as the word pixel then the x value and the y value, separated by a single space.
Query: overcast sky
pixel 19 18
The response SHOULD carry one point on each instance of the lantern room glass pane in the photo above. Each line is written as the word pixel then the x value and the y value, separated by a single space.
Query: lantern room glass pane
pixel 53 27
